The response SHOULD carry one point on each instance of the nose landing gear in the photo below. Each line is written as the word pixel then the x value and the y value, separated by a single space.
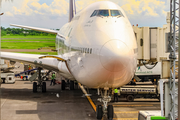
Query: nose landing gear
pixel 105 110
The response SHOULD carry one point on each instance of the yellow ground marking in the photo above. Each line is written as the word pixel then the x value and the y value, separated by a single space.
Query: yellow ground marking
pixel 89 99
pixel 52 57
pixel 91 102
pixel 132 105
pixel 94 106
pixel 121 112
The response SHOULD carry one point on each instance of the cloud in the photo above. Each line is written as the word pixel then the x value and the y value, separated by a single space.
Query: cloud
pixel 80 4
pixel 32 7
pixel 128 9
pixel 152 8
pixel 9 14
pixel 60 7
pixel 56 11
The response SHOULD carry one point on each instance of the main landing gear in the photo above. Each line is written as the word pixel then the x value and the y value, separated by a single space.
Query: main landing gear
pixel 105 110
pixel 67 83
pixel 39 84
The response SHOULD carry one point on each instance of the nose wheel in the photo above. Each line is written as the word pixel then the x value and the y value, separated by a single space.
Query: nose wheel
pixel 110 112
pixel 105 110
pixel 99 112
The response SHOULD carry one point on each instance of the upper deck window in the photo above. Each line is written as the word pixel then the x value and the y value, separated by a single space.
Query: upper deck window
pixel 116 13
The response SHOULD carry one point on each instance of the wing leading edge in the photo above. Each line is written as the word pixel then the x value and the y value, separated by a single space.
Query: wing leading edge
pixel 48 63
pixel 54 63
pixel 37 29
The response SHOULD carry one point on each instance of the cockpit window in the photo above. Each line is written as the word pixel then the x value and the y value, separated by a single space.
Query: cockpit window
pixel 94 13
pixel 100 13
pixel 116 13
pixel 103 13
pixel 106 13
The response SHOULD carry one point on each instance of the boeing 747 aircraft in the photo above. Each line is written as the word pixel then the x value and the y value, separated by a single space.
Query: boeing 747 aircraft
pixel 97 47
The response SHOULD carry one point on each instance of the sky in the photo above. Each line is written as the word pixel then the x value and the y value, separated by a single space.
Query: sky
pixel 53 14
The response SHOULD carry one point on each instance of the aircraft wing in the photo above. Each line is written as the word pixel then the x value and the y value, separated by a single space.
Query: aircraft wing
pixel 37 29
pixel 50 62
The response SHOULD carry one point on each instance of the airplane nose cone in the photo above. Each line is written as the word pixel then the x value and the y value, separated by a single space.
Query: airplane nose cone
pixel 114 55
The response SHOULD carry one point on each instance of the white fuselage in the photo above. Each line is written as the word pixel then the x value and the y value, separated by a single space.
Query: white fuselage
pixel 102 50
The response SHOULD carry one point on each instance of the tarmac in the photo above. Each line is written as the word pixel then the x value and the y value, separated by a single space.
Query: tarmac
pixel 18 102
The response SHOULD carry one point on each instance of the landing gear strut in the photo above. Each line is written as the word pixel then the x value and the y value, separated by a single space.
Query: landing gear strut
pixel 106 110
pixel 39 84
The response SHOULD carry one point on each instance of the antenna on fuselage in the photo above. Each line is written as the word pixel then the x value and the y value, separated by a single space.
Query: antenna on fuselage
pixel 72 9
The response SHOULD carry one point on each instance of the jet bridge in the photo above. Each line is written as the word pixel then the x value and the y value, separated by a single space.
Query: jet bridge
pixel 153 46
pixel 159 44
pixel 152 43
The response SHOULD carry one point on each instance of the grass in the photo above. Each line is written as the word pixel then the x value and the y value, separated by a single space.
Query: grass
pixel 29 42
pixel 26 45
pixel 25 40
pixel 42 53
pixel 27 37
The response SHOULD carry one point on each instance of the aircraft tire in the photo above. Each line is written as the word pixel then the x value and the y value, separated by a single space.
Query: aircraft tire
pixel 110 112
pixel 3 80
pixel 44 87
pixel 34 87
pixel 63 85
pixel 71 85
pixel 130 98
pixel 99 112
pixel 159 98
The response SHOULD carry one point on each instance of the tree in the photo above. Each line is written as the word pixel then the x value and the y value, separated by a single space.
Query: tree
pixel 21 31
pixel 3 33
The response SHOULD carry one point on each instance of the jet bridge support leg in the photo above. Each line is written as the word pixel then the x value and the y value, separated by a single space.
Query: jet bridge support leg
pixel 39 84
pixel 106 110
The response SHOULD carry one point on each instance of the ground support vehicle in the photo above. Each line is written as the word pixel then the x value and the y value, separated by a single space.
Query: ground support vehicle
pixel 130 92
pixel 148 73
pixel 150 115
pixel 7 77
